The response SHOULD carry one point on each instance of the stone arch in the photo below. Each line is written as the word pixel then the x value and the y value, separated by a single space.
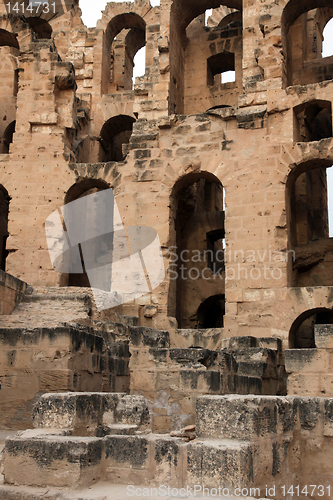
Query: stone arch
pixel 15 31
pixel 125 34
pixel 115 133
pixel 327 27
pixel 196 211
pixel 301 69
pixel 83 187
pixel 307 223
pixel 182 14
pixel 223 16
pixel 8 39
pixel 211 311
pixel 4 210
pixel 8 137
pixel 234 17
pixel 301 333
pixel 40 26
pixel 313 121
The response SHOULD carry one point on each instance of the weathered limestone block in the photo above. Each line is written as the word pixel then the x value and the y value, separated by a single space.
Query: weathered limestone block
pixel 208 338
pixel 323 336
pixel 235 417
pixel 307 360
pixel 220 463
pixel 11 292
pixel 34 460
pixel 127 459
pixel 91 414
pixel 56 359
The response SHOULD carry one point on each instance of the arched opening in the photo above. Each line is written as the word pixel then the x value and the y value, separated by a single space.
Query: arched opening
pixel 8 137
pixel 40 26
pixel 115 133
pixel 197 267
pixel 211 312
pixel 302 331
pixel 8 39
pixel 218 65
pixel 139 64
pixel 79 190
pixel 190 89
pixel 4 210
pixel 313 121
pixel 125 36
pixel 327 49
pixel 9 52
pixel 308 225
pixel 303 24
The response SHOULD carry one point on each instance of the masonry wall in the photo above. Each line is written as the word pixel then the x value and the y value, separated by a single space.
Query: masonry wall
pixel 248 147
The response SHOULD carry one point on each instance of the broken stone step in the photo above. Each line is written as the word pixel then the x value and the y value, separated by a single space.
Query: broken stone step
pixel 207 338
pixel 121 429
pixel 236 417
pixel 48 459
pixel 249 342
pixel 88 413
pixel 259 369
pixel 228 463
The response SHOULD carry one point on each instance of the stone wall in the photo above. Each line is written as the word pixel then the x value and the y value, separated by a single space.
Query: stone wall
pixel 11 292
pixel 34 361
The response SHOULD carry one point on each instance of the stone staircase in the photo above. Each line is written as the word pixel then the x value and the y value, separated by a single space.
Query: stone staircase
pixel 76 442
pixel 243 444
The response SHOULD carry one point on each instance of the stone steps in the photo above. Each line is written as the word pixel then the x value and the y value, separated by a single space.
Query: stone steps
pixel 241 442
pixel 91 414
pixel 50 307
pixel 100 491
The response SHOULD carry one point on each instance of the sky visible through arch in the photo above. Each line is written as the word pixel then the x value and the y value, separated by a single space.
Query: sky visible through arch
pixel 91 12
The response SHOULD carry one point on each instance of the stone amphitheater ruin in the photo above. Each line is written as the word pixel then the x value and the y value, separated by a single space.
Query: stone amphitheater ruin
pixel 218 381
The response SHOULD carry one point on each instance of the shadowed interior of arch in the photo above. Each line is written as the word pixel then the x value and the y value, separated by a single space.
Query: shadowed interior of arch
pixel 114 134
pixel 301 334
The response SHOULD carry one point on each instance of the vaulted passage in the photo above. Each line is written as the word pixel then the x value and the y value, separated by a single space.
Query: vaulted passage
pixel 115 133
pixel 212 76
pixel 303 24
pixel 197 265
pixel 312 262
pixel 301 335
pixel 125 36
pixel 4 209
pixel 77 191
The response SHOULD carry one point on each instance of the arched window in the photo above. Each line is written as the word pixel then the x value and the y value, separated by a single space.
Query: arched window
pixel 211 312
pixel 327 49
pixel 8 137
pixel 308 217
pixel 302 331
pixel 79 190
pixel 313 121
pixel 8 39
pixel 115 133
pixel 197 267
pixel 40 26
pixel 302 35
pixel 4 209
pixel 218 65
pixel 9 52
pixel 190 89
pixel 125 36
